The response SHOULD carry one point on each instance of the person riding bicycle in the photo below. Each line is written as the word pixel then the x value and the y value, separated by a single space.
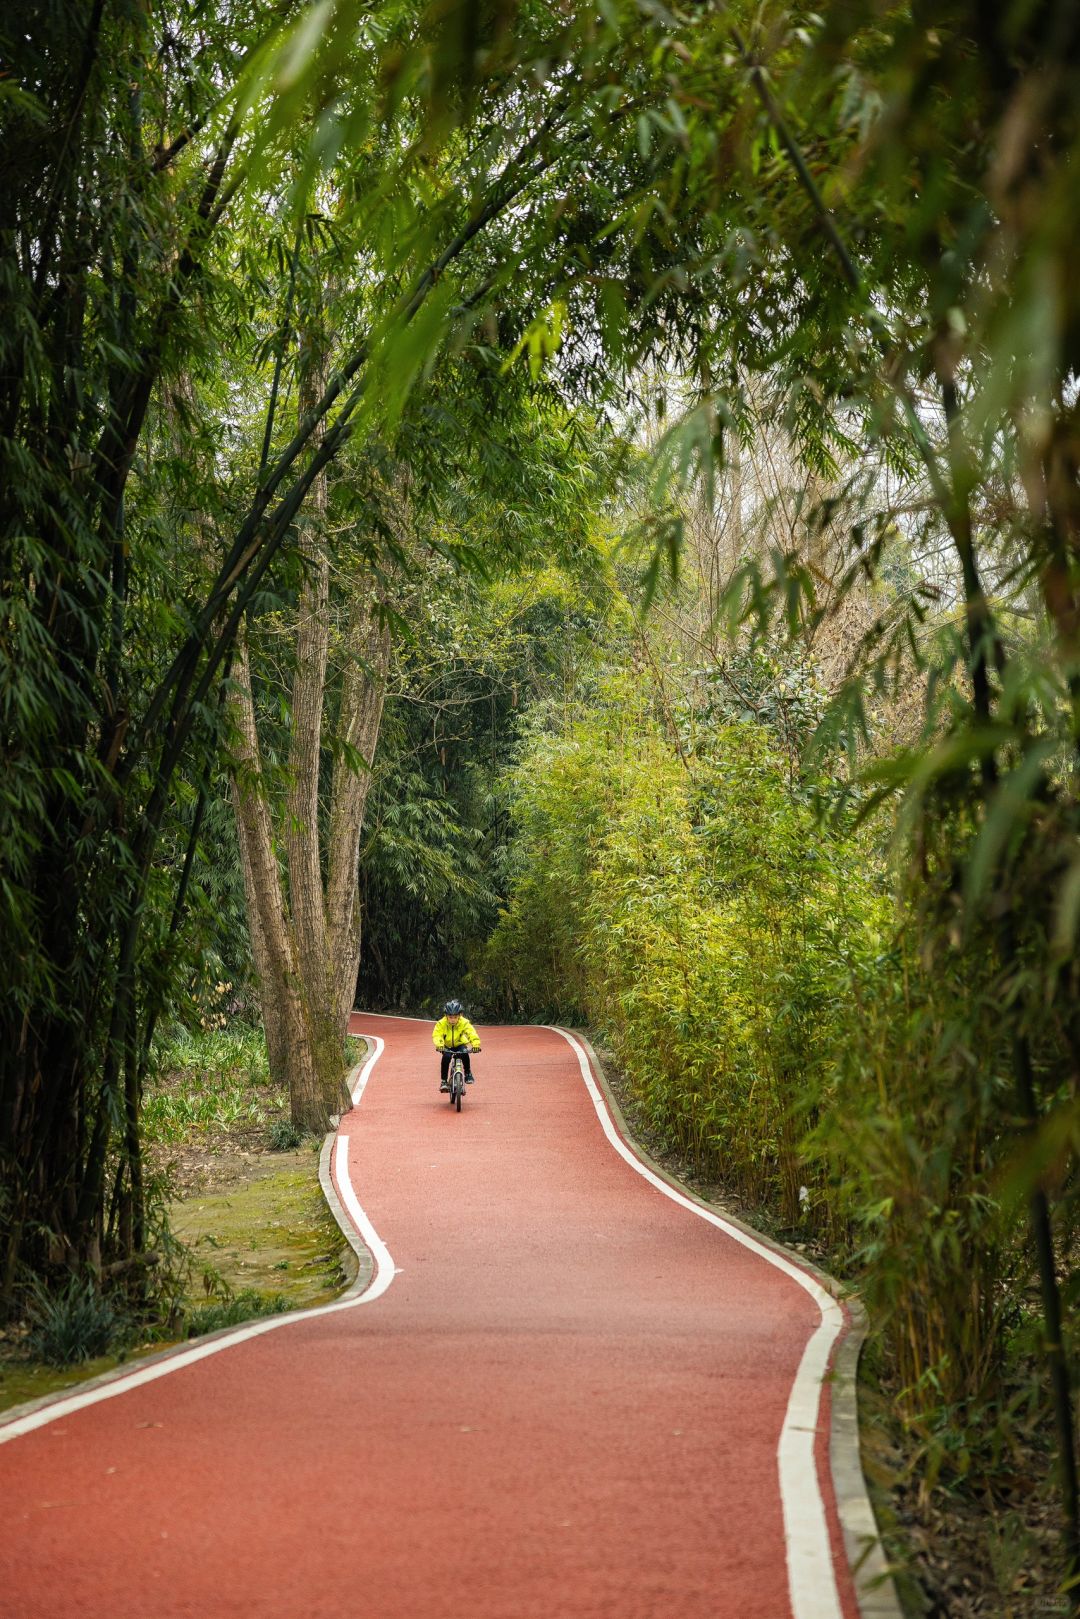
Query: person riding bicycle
pixel 454 1032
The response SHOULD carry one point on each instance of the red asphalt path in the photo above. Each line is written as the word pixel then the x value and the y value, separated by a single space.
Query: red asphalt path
pixel 567 1405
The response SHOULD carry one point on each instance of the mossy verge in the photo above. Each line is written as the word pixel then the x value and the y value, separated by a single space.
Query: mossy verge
pixel 266 1238
pixel 271 1233
pixel 259 1236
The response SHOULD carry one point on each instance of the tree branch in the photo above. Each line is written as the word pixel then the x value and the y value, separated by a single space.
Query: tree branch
pixel 249 539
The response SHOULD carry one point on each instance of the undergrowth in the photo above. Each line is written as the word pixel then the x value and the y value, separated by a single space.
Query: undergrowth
pixel 233 1309
pixel 208 1080
pixel 801 1020
pixel 203 1083
pixel 75 1322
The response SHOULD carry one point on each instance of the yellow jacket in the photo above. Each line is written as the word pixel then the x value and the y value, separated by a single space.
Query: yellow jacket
pixel 453 1039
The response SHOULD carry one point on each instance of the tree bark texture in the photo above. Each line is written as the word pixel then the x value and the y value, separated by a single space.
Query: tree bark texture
pixel 305 931
pixel 363 695
pixel 281 993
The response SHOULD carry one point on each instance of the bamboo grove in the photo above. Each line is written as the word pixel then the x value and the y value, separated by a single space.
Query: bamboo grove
pixel 330 330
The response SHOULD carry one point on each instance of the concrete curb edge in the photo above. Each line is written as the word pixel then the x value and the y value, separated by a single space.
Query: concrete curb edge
pixel 365 1259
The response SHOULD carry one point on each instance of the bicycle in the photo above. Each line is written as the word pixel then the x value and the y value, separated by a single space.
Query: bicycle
pixel 456 1078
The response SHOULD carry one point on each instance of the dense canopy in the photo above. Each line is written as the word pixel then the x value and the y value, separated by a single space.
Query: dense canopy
pixel 583 502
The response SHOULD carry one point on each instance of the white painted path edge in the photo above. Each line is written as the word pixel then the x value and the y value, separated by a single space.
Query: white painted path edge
pixel 383 1274
pixel 811 1574
pixel 811 1577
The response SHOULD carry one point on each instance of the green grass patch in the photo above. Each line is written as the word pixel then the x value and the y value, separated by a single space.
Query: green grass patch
pixel 272 1235
pixel 230 1312
pixel 212 1080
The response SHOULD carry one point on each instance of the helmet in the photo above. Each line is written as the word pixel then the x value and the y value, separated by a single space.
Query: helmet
pixel 452 1008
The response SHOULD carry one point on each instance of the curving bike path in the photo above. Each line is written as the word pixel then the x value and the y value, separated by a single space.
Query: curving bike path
pixel 565 1395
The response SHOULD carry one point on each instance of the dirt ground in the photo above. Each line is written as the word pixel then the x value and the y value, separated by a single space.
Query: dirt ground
pixel 252 1218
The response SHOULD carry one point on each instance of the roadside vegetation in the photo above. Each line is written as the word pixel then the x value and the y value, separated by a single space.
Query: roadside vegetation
pixel 242 1227
pixel 583 504
pixel 695 872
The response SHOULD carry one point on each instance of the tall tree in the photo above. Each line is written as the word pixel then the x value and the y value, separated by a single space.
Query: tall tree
pixel 131 137
pixel 305 927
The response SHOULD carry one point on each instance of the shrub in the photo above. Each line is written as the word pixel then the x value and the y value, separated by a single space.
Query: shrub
pixel 694 911
pixel 825 1047
pixel 284 1135
pixel 911 1126
pixel 75 1324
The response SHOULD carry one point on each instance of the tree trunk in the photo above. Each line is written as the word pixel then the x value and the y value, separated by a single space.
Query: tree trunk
pixel 363 694
pixel 280 991
pixel 305 936
pixel 311 941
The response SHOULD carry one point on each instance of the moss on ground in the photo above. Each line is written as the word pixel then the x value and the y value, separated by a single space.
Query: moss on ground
pixel 29 1380
pixel 271 1232
pixel 253 1223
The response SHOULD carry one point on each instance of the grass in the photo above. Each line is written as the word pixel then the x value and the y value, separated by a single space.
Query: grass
pixel 230 1312
pixel 284 1135
pixel 272 1235
pixel 74 1324
pixel 258 1240
pixel 211 1080
pixel 24 1379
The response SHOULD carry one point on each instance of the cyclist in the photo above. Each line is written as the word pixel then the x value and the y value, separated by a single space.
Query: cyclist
pixel 454 1032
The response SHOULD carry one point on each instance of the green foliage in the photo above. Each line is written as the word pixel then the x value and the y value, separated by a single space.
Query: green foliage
pixel 204 1104
pixel 836 1059
pixel 232 1311
pixel 484 652
pixel 917 1136
pixel 912 1138
pixel 694 910
pixel 207 1080
pixel 850 232
pixel 74 1323
pixel 283 1135
pixel 225 1049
